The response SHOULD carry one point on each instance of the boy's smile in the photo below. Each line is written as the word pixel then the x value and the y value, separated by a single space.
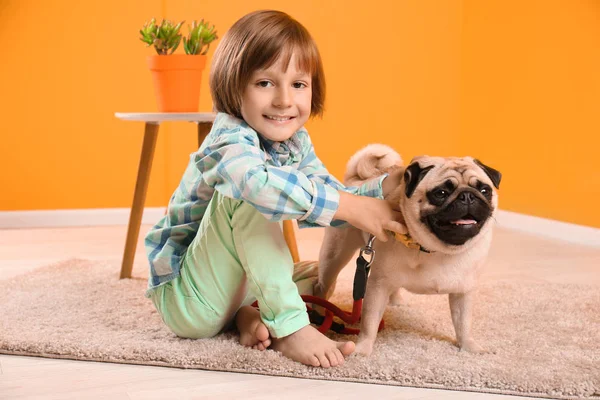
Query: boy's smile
pixel 277 103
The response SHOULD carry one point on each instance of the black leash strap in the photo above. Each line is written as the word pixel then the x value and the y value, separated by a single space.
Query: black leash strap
pixel 363 266
pixel 318 319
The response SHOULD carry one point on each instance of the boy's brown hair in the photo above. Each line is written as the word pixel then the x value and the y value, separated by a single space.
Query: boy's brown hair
pixel 255 42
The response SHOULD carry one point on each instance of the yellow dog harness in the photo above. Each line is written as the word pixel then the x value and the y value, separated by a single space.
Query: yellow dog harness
pixel 409 242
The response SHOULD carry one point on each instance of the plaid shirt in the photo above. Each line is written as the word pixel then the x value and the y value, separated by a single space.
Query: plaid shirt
pixel 282 180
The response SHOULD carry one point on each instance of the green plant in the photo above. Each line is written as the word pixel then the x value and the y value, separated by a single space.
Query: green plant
pixel 199 38
pixel 164 37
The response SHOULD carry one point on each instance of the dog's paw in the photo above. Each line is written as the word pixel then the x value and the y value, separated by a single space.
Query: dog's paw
pixel 472 347
pixel 364 348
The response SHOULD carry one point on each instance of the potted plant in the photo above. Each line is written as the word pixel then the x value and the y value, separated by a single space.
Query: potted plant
pixel 177 77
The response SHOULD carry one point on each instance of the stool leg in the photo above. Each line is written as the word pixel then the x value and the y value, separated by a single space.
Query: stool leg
pixel 139 198
pixel 203 130
pixel 290 239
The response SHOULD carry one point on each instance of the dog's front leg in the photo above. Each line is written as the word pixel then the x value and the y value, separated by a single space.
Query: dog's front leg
pixel 339 245
pixel 461 309
pixel 375 301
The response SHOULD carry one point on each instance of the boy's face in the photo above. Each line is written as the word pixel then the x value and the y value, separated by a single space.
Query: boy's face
pixel 275 103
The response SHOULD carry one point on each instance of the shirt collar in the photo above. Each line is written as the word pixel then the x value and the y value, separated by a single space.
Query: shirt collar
pixel 292 145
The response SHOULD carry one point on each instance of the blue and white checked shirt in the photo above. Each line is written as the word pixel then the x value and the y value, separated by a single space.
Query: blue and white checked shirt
pixel 282 180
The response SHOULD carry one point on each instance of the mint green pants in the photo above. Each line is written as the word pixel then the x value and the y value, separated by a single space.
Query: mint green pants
pixel 237 257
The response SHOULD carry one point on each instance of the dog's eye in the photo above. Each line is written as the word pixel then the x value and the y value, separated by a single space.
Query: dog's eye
pixel 485 190
pixel 441 194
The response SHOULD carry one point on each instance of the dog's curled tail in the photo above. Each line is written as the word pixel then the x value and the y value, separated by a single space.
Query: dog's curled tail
pixel 369 162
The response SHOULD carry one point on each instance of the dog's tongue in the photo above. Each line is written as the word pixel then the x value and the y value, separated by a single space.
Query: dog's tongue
pixel 464 222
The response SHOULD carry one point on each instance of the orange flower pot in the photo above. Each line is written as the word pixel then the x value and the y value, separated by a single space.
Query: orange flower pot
pixel 177 79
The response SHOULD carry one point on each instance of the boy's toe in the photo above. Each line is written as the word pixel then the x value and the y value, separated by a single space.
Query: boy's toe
pixel 333 360
pixel 323 361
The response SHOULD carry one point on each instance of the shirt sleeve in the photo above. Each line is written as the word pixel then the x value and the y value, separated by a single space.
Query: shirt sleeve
pixel 315 170
pixel 235 165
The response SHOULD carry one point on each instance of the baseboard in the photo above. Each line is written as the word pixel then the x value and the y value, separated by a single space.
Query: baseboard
pixel 68 218
pixel 120 216
pixel 564 231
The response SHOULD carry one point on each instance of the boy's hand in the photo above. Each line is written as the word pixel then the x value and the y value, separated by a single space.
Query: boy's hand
pixel 370 215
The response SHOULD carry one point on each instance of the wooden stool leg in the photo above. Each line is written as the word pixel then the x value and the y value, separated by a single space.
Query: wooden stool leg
pixel 203 130
pixel 290 239
pixel 139 198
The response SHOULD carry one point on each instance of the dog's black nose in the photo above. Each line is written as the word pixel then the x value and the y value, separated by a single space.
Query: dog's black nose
pixel 466 197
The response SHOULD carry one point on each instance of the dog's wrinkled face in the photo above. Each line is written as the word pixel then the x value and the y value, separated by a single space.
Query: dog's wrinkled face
pixel 449 199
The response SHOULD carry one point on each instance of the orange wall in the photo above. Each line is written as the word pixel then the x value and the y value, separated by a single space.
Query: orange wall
pixel 66 67
pixel 530 96
pixel 436 77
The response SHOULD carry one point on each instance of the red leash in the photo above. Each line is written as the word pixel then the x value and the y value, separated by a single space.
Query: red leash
pixel 331 311
pixel 361 275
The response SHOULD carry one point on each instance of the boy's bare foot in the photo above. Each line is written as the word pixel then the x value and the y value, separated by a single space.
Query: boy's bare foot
pixel 311 347
pixel 253 333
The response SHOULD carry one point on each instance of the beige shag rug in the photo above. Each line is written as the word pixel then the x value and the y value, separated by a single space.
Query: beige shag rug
pixel 544 337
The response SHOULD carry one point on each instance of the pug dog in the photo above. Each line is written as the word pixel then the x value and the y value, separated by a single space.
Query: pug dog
pixel 448 205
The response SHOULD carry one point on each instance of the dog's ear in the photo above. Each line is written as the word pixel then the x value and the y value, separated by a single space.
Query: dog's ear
pixel 413 175
pixel 493 174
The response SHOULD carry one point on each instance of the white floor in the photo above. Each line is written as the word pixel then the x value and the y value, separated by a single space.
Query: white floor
pixel 39 378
